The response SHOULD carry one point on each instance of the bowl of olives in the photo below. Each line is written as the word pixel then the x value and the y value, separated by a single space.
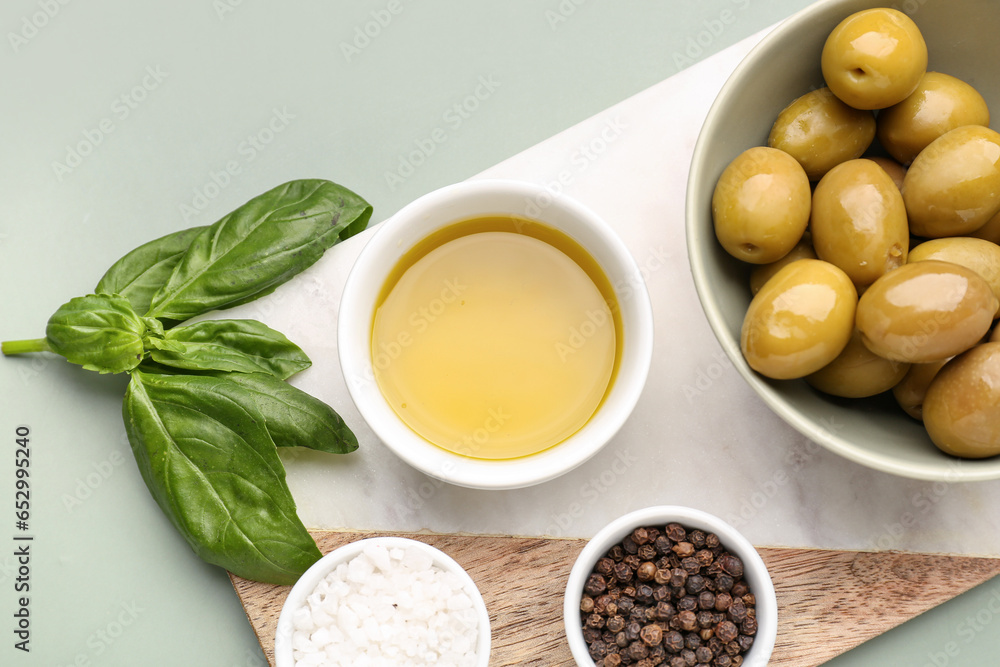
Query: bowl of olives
pixel 843 221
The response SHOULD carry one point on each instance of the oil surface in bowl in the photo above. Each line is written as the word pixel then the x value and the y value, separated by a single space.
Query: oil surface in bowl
pixel 496 338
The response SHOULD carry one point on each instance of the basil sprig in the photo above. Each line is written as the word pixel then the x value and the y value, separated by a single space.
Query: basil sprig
pixel 207 403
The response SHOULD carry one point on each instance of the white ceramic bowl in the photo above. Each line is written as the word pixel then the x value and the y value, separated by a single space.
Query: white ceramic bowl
pixel 463 201
pixel 310 579
pixel 961 41
pixel 754 573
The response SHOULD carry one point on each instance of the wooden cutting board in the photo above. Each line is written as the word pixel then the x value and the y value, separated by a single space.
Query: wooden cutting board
pixel 828 601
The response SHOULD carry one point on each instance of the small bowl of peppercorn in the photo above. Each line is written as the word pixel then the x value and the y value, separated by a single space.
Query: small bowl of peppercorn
pixel 671 586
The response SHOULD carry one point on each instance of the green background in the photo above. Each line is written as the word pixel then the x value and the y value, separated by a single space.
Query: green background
pixel 171 95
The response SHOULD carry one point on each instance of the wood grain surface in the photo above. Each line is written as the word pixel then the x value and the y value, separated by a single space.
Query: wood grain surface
pixel 828 601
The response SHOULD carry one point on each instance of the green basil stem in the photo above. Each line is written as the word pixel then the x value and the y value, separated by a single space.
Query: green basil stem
pixel 9 347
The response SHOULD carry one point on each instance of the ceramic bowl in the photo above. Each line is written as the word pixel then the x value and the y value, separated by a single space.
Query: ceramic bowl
pixel 464 201
pixel 754 573
pixel 283 644
pixel 961 41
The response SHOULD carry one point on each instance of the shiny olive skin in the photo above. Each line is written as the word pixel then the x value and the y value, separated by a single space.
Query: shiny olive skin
pixel 760 206
pixel 858 221
pixel 762 273
pixel 857 372
pixel 940 103
pixel 911 390
pixel 962 405
pixel 895 170
pixel 820 131
pixel 980 255
pixel 925 311
pixel 874 58
pixel 799 321
pixel 953 186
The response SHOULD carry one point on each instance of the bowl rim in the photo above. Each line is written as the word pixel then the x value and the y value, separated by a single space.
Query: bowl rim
pixel 697 234
pixel 603 244
pixel 318 570
pixel 755 572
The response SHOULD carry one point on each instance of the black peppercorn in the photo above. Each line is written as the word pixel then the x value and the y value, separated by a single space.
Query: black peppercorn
pixel 726 631
pixel 683 549
pixel 687 603
pixel 712 541
pixel 749 626
pixel 641 536
pixel 745 642
pixel 604 567
pixel 623 573
pixel 722 601
pixel 637 650
pixel 665 611
pixel 706 600
pixel 673 641
pixel 596 585
pixel 612 660
pixel 695 584
pixel 621 639
pixel 722 661
pixel 647 552
pixel 646 571
pixel 651 635
pixel 690 659
pixel 676 532
pixel 737 611
pixel 686 620
pixel 704 654
pixel 629 545
pixel 731 565
pixel 615 624
pixel 724 583
pixel 662 545
pixel 598 650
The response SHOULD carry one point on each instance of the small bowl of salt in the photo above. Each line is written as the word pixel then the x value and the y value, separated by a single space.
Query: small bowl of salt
pixel 384 601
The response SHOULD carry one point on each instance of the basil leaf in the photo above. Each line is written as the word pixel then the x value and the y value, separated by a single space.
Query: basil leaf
pixel 259 246
pixel 203 451
pixel 246 346
pixel 295 418
pixel 141 272
pixel 100 332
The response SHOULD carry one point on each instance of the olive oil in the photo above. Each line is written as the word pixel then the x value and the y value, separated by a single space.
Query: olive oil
pixel 496 338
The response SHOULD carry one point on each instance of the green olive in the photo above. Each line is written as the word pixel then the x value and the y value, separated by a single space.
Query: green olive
pixel 980 255
pixel 895 170
pixel 962 406
pixel 990 231
pixel 939 104
pixel 800 320
pixel 761 274
pixel 911 390
pixel 820 132
pixel 857 372
pixel 760 206
pixel 859 222
pixel 874 58
pixel 925 311
pixel 953 186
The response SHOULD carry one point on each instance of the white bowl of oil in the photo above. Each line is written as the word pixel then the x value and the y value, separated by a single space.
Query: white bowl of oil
pixel 494 335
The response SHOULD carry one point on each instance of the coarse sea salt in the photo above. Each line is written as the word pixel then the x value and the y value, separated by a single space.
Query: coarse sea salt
pixel 386 608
